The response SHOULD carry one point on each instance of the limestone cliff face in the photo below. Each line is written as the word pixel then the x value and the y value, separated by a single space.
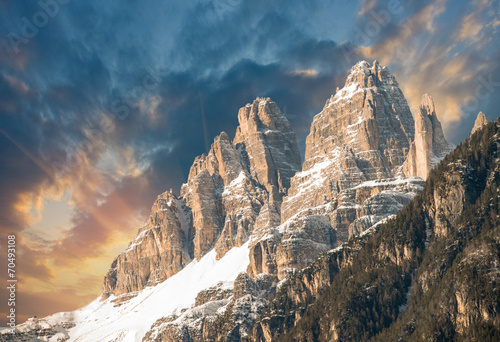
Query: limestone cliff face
pixel 159 250
pixel 351 177
pixel 480 122
pixel 231 190
pixel 370 117
pixel 430 145
pixel 239 185
pixel 363 134
pixel 270 144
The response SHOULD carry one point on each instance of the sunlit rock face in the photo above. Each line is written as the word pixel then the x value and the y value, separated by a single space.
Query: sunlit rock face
pixel 159 250
pixel 480 122
pixel 363 133
pixel 352 176
pixel 430 145
pixel 236 187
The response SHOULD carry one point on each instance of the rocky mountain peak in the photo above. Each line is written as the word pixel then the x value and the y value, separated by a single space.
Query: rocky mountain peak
pixel 430 145
pixel 364 75
pixel 352 174
pixel 427 109
pixel 480 122
pixel 427 106
pixel 262 115
pixel 370 116
pixel 270 145
pixel 159 250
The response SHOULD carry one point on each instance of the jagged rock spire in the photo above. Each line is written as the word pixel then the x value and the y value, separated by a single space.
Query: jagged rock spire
pixel 480 122
pixel 430 145
pixel 270 142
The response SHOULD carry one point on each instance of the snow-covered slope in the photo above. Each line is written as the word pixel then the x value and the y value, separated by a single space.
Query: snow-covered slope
pixel 128 321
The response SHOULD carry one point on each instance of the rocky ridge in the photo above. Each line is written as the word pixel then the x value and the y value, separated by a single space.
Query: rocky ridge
pixel 253 190
pixel 352 179
pixel 231 190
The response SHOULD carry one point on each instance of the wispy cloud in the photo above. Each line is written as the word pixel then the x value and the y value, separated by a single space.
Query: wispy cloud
pixel 305 73
pixel 446 58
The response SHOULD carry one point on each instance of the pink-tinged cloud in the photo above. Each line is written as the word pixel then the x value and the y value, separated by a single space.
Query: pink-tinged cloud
pixel 428 55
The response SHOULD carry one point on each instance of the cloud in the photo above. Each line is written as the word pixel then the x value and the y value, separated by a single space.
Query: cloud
pixel 305 73
pixel 426 51
pixel 471 27
pixel 367 6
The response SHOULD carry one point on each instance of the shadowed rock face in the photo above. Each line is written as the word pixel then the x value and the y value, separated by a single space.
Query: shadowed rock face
pixel 235 187
pixel 430 145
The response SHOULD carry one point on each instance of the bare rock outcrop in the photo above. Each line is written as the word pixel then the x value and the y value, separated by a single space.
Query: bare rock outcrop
pixel 363 133
pixel 269 141
pixel 231 190
pixel 369 116
pixel 430 145
pixel 351 178
pixel 228 188
pixel 159 250
pixel 480 122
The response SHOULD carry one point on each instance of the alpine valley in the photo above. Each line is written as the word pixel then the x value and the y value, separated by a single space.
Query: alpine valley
pixel 384 232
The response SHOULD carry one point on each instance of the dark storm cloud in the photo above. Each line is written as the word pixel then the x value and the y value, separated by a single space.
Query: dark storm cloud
pixel 180 72
pixel 183 95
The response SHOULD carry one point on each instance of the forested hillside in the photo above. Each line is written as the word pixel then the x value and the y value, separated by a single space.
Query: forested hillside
pixel 430 273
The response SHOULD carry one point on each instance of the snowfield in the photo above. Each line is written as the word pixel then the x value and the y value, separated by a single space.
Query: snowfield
pixel 105 321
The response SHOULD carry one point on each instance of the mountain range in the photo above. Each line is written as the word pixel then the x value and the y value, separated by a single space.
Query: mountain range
pixel 383 231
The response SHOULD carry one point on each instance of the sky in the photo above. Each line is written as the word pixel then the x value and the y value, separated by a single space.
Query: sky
pixel 105 104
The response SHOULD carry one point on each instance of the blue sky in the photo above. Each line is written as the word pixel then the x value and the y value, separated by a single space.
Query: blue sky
pixel 104 105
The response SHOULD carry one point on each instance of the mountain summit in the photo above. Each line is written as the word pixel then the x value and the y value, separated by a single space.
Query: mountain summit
pixel 369 117
pixel 250 217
